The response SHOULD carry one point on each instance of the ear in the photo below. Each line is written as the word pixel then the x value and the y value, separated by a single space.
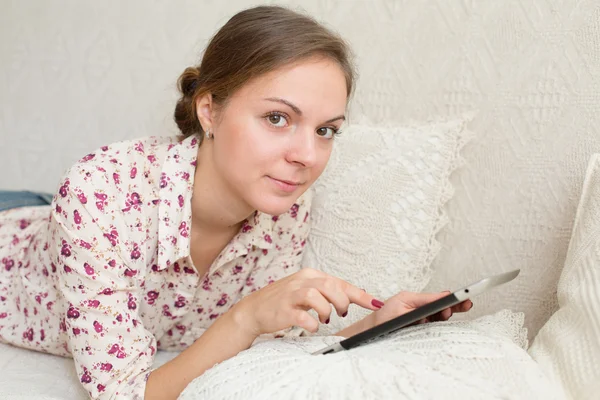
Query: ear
pixel 205 111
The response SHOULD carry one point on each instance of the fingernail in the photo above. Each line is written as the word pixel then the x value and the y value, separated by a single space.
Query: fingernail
pixel 377 303
pixel 344 314
pixel 327 321
pixel 471 305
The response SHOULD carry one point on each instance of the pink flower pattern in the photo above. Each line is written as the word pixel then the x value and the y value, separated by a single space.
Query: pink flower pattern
pixel 104 275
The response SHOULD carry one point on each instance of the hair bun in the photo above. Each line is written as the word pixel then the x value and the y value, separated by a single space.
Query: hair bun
pixel 188 81
pixel 185 115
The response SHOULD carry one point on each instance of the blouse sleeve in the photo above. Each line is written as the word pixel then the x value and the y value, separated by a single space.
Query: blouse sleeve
pixel 112 351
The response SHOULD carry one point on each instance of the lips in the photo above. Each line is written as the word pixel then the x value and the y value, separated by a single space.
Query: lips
pixel 289 182
pixel 286 181
pixel 287 186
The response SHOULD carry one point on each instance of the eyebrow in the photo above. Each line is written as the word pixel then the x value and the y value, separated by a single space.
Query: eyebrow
pixel 297 110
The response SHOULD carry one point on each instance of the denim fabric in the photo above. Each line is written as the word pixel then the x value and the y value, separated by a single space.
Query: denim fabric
pixel 13 199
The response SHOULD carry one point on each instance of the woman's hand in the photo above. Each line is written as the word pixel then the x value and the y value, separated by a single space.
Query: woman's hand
pixel 286 302
pixel 402 303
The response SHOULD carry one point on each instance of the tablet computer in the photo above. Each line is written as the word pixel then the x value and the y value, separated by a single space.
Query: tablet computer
pixel 404 320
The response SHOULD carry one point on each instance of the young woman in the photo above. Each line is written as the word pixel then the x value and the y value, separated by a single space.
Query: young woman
pixel 191 243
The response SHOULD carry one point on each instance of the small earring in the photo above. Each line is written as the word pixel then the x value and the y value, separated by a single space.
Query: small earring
pixel 208 134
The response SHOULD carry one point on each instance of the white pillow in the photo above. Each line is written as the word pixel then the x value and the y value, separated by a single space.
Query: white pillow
pixel 379 204
pixel 568 346
pixel 481 359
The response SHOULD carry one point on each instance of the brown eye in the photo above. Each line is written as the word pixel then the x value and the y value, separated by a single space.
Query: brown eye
pixel 277 120
pixel 326 132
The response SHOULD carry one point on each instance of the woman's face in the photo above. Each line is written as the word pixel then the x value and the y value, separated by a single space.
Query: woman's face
pixel 275 135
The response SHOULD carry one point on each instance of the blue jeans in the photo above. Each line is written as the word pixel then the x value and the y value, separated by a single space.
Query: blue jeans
pixel 13 199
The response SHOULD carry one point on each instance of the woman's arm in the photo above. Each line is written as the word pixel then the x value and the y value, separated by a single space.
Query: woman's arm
pixel 226 337
pixel 112 350
pixel 276 307
pixel 229 334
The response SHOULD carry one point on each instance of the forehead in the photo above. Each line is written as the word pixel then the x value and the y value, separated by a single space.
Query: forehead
pixel 315 85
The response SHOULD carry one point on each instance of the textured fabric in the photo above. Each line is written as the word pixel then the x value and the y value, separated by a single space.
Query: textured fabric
pixel 106 70
pixel 482 359
pixel 379 204
pixel 105 271
pixel 13 199
pixel 568 346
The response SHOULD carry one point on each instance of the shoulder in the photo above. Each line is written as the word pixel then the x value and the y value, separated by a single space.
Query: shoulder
pixel 147 150
pixel 114 182
pixel 110 168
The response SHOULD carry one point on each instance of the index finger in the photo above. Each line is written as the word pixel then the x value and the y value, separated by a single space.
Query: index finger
pixel 361 297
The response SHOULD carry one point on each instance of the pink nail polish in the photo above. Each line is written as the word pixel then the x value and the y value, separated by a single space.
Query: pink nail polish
pixel 377 303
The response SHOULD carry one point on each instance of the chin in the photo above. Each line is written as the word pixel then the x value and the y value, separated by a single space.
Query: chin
pixel 273 202
pixel 275 205
pixel 272 199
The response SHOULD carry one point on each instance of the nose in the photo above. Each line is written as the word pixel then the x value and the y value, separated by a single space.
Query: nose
pixel 303 148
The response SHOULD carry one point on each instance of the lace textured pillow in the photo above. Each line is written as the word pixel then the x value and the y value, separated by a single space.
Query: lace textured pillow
pixel 379 204
pixel 481 359
pixel 568 346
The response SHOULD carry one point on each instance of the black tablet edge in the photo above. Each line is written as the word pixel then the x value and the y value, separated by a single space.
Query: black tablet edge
pixel 400 321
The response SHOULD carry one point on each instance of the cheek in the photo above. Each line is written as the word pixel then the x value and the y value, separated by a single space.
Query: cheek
pixel 245 148
pixel 322 159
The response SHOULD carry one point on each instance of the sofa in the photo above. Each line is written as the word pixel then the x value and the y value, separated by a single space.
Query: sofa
pixel 522 77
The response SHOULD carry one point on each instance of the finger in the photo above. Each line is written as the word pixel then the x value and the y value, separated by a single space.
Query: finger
pixel 304 320
pixel 440 316
pixel 333 292
pixel 435 317
pixel 463 307
pixel 311 298
pixel 445 314
pixel 360 297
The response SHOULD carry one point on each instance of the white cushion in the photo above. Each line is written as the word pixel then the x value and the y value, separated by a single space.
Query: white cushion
pixel 568 346
pixel 379 204
pixel 482 359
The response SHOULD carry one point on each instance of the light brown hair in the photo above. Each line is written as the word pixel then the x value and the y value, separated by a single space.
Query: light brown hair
pixel 254 42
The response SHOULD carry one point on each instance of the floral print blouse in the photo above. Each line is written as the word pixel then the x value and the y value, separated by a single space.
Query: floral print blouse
pixel 104 274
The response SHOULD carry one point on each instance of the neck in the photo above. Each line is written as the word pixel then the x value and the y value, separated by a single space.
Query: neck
pixel 216 208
